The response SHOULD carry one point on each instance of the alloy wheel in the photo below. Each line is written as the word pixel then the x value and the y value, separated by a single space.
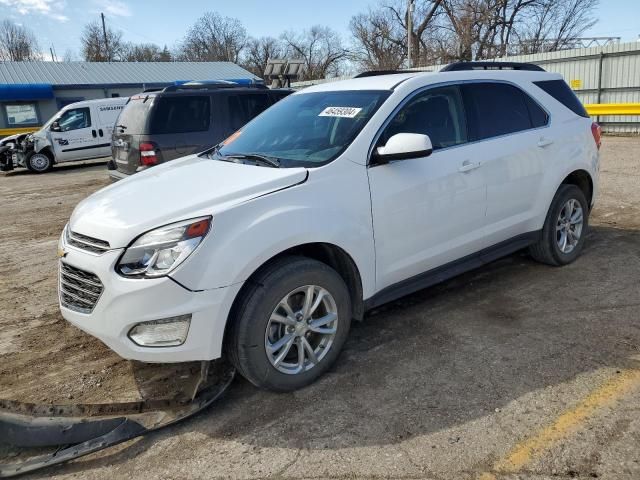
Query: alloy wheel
pixel 301 329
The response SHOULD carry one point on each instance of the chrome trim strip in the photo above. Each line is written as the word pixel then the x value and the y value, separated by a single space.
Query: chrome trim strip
pixel 74 287
pixel 80 279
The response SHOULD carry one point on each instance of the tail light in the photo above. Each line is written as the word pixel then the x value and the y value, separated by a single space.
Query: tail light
pixel 148 155
pixel 596 130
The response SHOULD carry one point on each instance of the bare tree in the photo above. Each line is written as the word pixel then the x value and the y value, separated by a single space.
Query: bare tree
pixel 214 38
pixel 321 49
pixel 425 14
pixel 93 46
pixel 145 52
pixel 378 41
pixel 449 30
pixel 554 25
pixel 258 53
pixel 17 43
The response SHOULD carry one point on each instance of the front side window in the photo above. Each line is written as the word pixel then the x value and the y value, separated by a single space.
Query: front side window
pixel 495 109
pixel 437 112
pixel 180 114
pixel 21 115
pixel 307 129
pixel 75 119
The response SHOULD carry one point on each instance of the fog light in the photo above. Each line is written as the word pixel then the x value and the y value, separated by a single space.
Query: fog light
pixel 168 332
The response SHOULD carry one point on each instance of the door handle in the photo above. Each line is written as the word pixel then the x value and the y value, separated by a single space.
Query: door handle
pixel 94 134
pixel 100 132
pixel 467 166
pixel 544 142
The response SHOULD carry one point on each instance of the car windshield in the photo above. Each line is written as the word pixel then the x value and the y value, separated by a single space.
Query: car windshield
pixel 309 129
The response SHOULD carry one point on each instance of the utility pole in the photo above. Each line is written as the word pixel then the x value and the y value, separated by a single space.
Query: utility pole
pixel 106 42
pixel 410 32
pixel 52 57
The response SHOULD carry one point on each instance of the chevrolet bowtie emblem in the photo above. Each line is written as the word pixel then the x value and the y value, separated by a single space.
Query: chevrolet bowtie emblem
pixel 61 252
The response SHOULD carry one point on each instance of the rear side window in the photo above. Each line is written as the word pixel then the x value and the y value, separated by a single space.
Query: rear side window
pixel 243 108
pixel 495 109
pixel 539 118
pixel 180 114
pixel 559 90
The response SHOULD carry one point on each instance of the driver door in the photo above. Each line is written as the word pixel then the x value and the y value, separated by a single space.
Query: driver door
pixel 427 211
pixel 77 138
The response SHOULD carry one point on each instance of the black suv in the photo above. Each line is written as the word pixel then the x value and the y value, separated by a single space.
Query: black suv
pixel 157 126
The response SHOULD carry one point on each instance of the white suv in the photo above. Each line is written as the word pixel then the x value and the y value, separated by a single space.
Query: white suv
pixel 335 200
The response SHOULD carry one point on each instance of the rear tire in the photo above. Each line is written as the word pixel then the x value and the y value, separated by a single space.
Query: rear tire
pixel 39 162
pixel 565 228
pixel 277 339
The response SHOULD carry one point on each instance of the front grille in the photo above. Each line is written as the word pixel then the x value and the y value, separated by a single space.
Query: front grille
pixel 83 242
pixel 79 290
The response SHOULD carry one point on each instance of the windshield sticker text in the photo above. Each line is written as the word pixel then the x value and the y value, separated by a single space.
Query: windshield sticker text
pixel 343 112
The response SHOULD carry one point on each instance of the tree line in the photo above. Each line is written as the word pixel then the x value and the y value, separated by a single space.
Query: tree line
pixel 439 31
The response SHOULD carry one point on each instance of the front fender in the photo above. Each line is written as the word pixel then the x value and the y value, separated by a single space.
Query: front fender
pixel 331 207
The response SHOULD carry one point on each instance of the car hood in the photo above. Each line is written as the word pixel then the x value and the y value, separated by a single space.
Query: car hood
pixel 181 189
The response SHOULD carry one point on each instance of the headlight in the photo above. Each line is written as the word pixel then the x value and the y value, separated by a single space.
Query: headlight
pixel 158 252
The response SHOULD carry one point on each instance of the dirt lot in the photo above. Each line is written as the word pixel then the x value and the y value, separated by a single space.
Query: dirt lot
pixel 516 370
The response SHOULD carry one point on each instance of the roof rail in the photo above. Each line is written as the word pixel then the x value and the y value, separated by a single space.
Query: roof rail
pixel 460 66
pixel 211 85
pixel 375 73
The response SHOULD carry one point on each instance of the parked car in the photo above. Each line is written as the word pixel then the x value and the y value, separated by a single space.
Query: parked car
pixel 339 198
pixel 158 126
pixel 79 131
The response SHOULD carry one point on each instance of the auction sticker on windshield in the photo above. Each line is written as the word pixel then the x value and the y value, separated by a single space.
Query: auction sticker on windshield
pixel 343 112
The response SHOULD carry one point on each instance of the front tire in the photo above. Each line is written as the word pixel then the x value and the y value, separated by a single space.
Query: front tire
pixel 290 324
pixel 565 228
pixel 39 162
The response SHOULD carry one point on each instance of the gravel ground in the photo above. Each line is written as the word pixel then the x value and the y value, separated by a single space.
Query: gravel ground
pixel 515 370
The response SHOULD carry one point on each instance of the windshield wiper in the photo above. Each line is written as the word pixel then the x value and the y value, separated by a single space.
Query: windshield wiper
pixel 270 161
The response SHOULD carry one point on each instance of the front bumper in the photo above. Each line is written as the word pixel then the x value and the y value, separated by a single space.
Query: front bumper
pixel 125 302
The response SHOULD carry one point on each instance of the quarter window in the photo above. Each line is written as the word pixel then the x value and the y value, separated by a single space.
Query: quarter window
pixel 75 119
pixel 496 109
pixel 559 90
pixel 21 114
pixel 437 112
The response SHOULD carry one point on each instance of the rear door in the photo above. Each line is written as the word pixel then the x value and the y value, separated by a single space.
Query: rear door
pixel 512 143
pixel 78 136
pixel 130 126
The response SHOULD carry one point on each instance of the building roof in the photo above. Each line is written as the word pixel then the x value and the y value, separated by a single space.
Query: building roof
pixel 103 73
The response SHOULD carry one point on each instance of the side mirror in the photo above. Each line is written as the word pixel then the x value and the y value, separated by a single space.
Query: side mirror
pixel 403 146
pixel 55 127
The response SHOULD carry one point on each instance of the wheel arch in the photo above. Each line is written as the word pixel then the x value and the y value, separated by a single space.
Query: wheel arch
pixel 583 180
pixel 327 253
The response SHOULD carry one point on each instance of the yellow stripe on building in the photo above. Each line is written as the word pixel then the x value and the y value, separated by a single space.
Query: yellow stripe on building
pixel 4 132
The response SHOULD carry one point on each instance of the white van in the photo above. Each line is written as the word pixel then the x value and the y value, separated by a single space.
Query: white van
pixel 79 131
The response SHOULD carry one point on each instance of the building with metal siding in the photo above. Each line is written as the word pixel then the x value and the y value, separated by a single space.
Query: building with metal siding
pixel 32 92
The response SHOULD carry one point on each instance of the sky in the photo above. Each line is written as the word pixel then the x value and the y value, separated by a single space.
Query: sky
pixel 59 22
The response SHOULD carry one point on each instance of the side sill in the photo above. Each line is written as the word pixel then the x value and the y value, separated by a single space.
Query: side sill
pixel 452 269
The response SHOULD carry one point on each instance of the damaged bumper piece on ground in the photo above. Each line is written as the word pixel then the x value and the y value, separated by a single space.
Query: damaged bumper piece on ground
pixel 81 429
